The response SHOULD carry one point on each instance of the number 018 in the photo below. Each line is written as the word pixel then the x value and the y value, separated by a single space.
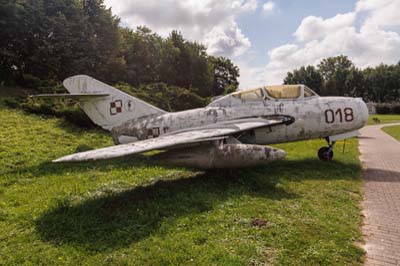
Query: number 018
pixel 331 116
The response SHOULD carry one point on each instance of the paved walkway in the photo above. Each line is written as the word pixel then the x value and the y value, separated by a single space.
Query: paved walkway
pixel 380 154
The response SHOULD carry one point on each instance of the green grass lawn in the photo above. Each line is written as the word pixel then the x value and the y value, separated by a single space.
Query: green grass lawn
pixel 299 211
pixel 393 131
pixel 384 119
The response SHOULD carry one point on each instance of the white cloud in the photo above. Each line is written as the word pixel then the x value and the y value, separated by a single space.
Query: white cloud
pixel 250 76
pixel 268 7
pixel 226 40
pixel 210 21
pixel 382 12
pixel 245 6
pixel 318 38
pixel 316 27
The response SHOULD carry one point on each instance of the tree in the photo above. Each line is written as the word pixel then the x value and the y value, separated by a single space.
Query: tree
pixel 225 76
pixel 339 76
pixel 58 38
pixel 308 76
pixel 355 83
pixel 185 64
pixel 45 41
pixel 202 75
pixel 12 44
pixel 143 54
pixel 382 83
pixel 104 39
pixel 334 71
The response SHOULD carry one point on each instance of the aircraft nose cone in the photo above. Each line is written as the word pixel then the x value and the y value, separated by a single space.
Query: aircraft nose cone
pixel 364 112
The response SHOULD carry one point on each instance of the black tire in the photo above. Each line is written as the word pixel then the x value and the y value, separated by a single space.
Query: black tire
pixel 324 154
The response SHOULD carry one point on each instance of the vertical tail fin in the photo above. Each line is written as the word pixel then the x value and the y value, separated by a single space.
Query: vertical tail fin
pixel 108 111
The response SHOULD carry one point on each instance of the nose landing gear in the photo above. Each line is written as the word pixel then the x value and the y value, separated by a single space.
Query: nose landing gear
pixel 326 153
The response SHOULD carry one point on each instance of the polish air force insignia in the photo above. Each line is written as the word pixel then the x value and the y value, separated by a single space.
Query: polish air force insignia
pixel 115 107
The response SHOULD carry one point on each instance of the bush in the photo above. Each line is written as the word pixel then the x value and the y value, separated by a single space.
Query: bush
pixel 396 108
pixel 51 86
pixel 41 86
pixel 70 111
pixel 183 99
pixel 77 117
pixel 67 109
pixel 383 109
pixel 12 102
pixel 30 81
pixel 169 98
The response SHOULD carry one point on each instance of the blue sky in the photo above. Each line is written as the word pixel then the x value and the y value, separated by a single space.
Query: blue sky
pixel 268 38
pixel 268 31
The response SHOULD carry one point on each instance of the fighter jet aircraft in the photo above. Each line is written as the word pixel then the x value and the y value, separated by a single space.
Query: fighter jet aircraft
pixel 231 132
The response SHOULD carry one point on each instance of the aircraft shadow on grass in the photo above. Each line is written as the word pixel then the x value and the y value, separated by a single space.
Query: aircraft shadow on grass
pixel 47 168
pixel 119 219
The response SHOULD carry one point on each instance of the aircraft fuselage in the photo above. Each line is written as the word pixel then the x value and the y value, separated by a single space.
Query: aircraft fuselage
pixel 315 117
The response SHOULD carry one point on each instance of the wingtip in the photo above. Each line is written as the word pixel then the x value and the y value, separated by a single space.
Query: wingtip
pixel 59 160
pixel 64 159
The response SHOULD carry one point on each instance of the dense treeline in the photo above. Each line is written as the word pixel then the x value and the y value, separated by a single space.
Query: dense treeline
pixel 339 76
pixel 49 40
pixel 44 41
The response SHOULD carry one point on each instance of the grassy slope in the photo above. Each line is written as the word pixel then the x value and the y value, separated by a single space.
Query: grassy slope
pixel 384 119
pixel 127 212
pixel 393 131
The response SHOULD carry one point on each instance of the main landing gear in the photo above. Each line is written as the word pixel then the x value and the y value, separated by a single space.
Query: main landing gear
pixel 326 153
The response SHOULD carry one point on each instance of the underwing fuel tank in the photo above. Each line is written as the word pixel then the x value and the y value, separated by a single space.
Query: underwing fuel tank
pixel 220 156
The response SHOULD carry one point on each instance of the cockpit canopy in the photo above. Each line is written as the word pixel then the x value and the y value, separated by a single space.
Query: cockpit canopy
pixel 267 93
pixel 284 92
pixel 249 95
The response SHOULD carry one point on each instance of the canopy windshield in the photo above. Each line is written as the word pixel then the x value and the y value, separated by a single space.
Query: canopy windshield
pixel 287 92
pixel 249 95
pixel 308 92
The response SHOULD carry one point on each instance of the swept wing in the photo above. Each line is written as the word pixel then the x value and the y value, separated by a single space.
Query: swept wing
pixel 168 141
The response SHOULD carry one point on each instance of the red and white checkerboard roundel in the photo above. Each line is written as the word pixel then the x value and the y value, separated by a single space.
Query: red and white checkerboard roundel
pixel 115 107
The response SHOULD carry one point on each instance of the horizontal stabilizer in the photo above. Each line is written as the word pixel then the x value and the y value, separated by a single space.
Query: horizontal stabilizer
pixel 71 96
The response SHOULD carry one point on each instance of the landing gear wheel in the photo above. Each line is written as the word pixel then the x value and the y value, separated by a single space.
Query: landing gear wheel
pixel 325 154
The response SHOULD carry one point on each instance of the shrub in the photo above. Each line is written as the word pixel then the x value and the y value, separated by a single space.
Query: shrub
pixel 67 109
pixel 70 111
pixel 77 117
pixel 12 102
pixel 51 86
pixel 30 81
pixel 383 109
pixel 396 108
pixel 169 98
